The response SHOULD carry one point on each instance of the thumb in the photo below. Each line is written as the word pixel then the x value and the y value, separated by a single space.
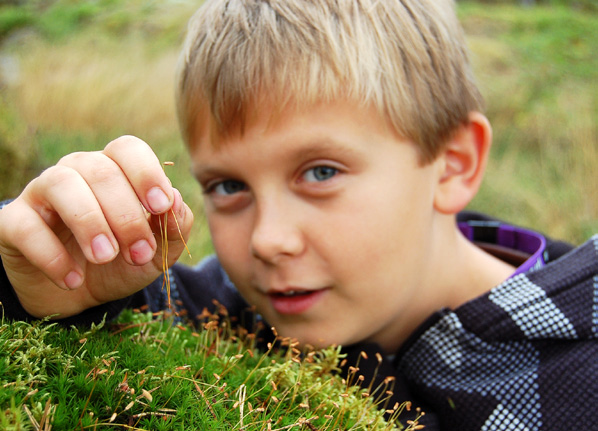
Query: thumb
pixel 172 231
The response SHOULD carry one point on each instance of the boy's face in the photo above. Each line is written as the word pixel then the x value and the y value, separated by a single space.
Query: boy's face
pixel 323 219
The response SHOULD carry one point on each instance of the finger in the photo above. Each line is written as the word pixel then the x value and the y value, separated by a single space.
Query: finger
pixel 31 238
pixel 182 216
pixel 144 171
pixel 63 191
pixel 119 203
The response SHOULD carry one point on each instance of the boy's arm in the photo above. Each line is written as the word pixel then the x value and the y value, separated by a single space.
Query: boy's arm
pixel 12 309
pixel 84 232
pixel 193 290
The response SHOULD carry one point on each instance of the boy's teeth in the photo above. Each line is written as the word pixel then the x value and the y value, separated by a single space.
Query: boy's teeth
pixel 293 292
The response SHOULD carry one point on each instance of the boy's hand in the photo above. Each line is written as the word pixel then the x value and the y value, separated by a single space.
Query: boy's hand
pixel 87 230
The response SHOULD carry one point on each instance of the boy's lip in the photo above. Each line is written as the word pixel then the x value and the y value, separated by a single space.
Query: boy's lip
pixel 294 300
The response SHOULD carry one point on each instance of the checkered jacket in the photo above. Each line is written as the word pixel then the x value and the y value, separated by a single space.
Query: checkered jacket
pixel 522 357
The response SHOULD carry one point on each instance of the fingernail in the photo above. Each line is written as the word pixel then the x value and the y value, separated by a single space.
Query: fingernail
pixel 73 280
pixel 102 248
pixel 157 200
pixel 141 252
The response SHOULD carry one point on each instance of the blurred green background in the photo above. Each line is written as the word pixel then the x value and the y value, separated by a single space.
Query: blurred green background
pixel 76 74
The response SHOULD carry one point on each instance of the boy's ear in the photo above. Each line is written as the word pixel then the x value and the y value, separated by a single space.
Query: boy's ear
pixel 462 164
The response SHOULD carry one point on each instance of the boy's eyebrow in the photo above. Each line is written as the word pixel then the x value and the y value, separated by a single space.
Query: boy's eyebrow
pixel 308 149
pixel 319 148
pixel 203 170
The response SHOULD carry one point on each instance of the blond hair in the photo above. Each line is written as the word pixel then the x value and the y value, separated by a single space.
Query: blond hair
pixel 406 57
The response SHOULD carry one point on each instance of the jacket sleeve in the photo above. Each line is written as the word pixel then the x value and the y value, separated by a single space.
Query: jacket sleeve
pixel 192 289
pixel 367 365
pixel 13 310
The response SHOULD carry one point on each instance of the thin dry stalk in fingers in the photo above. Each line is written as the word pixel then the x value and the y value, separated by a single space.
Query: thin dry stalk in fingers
pixel 163 220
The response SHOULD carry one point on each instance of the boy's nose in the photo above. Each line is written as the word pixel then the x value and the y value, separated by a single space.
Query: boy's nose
pixel 276 235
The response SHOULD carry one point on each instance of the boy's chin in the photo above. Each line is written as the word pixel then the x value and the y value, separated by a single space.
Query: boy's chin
pixel 307 341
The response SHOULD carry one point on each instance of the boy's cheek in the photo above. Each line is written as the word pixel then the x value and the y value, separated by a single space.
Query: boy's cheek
pixel 231 240
pixel 236 268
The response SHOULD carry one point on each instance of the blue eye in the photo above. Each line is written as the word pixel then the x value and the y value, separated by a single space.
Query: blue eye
pixel 319 173
pixel 228 187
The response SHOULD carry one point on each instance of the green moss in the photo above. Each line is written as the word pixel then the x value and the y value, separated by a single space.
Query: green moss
pixel 151 374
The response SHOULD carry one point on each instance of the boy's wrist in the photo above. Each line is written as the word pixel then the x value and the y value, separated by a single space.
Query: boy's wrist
pixel 13 309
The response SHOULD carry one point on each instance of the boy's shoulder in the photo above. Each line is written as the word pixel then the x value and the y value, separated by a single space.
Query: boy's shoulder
pixel 525 350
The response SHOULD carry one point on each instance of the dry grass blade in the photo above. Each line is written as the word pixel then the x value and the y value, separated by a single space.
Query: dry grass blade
pixel 163 220
pixel 45 422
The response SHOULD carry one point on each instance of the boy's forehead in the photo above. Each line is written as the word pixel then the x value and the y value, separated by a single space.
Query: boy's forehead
pixel 340 128
pixel 320 122
pixel 209 130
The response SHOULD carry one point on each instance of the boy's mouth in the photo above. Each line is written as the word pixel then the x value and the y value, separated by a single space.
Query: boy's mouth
pixel 292 293
pixel 294 301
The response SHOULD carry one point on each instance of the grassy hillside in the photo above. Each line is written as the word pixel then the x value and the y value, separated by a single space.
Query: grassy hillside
pixel 538 70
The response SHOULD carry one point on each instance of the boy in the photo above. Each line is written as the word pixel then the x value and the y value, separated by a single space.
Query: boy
pixel 335 142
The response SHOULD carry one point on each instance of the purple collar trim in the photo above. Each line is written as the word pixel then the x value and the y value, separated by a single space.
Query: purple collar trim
pixel 516 238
